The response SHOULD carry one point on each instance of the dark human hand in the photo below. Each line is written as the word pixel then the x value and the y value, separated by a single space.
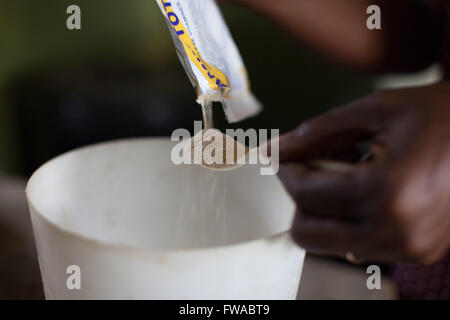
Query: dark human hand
pixel 394 207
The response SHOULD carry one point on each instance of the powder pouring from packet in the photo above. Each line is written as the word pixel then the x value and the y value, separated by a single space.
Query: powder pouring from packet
pixel 210 57
pixel 226 153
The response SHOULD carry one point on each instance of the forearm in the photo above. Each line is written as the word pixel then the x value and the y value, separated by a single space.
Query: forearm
pixel 408 40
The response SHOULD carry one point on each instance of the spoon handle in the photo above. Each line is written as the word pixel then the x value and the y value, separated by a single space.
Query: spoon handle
pixel 330 165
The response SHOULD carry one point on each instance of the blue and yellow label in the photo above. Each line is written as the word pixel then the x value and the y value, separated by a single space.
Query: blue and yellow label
pixel 217 80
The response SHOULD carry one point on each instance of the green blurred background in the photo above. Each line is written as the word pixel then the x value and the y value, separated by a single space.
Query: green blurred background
pixel 119 76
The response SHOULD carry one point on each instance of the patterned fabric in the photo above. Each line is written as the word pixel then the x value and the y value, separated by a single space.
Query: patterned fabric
pixel 424 282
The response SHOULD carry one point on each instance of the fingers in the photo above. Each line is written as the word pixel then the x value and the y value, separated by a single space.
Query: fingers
pixel 332 131
pixel 362 242
pixel 324 236
pixel 338 195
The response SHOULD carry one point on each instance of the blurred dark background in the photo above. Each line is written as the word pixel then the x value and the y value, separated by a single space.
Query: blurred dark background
pixel 119 77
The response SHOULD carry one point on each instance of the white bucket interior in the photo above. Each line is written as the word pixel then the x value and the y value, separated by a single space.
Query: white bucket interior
pixel 129 192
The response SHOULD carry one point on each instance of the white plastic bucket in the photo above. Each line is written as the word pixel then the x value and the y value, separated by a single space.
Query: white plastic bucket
pixel 136 226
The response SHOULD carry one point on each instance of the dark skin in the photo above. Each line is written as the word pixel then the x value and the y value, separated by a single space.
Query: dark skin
pixel 395 205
